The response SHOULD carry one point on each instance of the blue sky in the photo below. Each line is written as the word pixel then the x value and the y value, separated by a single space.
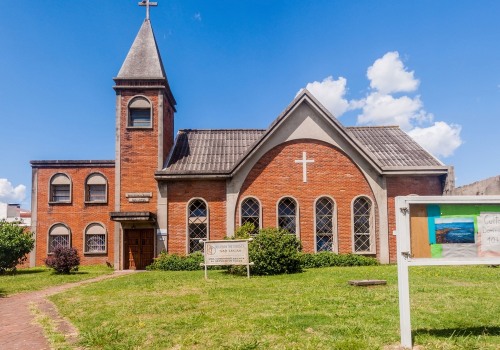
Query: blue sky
pixel 431 66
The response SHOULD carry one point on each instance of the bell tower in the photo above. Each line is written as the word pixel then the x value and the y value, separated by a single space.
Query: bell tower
pixel 145 110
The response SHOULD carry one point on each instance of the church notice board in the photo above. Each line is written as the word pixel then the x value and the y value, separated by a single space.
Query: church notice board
pixel 454 228
pixel 445 230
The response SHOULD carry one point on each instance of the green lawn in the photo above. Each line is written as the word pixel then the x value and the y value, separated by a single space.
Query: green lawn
pixel 37 278
pixel 452 308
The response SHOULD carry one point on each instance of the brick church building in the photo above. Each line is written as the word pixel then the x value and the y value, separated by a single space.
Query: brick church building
pixel 332 186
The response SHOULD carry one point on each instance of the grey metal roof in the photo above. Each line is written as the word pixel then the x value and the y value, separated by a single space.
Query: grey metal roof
pixel 209 151
pixel 392 147
pixel 206 152
pixel 143 59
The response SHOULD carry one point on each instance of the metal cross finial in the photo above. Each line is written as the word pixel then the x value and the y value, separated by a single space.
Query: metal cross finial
pixel 147 3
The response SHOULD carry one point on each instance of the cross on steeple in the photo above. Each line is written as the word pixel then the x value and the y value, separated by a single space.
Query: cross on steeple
pixel 147 3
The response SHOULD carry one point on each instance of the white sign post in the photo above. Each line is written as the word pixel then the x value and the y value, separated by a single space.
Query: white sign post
pixel 485 245
pixel 226 252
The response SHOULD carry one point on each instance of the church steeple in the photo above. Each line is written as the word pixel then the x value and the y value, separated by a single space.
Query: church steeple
pixel 143 59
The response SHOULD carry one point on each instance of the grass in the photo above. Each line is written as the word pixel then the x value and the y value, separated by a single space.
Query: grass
pixel 37 278
pixel 452 308
pixel 56 339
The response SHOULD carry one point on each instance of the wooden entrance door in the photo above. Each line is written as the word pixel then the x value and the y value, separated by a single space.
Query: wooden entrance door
pixel 138 247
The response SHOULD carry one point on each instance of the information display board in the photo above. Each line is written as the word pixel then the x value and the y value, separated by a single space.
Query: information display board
pixel 445 230
pixel 226 252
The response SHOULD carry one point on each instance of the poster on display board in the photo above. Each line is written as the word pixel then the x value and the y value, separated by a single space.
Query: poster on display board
pixel 452 230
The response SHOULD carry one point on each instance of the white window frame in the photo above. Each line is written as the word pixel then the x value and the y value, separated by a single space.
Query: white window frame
pixel 260 210
pixel 372 241
pixel 52 185
pixel 85 234
pixel 188 239
pixel 49 235
pixel 334 224
pixel 87 192
pixel 297 214
pixel 130 107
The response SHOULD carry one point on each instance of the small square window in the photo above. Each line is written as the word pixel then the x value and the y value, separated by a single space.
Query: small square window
pixel 96 193
pixel 61 193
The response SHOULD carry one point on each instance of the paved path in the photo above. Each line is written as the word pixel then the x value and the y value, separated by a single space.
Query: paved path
pixel 17 327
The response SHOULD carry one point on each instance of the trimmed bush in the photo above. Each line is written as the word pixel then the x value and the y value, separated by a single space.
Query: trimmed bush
pixel 174 262
pixel 64 260
pixel 327 259
pixel 275 251
pixel 15 244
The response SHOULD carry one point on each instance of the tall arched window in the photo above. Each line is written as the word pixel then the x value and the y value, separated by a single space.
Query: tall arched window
pixel 59 236
pixel 362 225
pixel 324 225
pixel 250 212
pixel 96 188
pixel 139 113
pixel 60 189
pixel 287 215
pixel 95 239
pixel 197 224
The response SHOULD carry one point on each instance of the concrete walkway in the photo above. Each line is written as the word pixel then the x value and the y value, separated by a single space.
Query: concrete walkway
pixel 18 329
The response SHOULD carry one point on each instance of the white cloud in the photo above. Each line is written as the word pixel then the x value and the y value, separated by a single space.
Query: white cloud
pixel 9 193
pixel 330 93
pixel 388 75
pixel 440 139
pixel 382 109
pixel 197 17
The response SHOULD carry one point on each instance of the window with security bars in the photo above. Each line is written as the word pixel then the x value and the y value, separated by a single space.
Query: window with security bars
pixel 250 212
pixel 95 239
pixel 60 193
pixel 362 225
pixel 197 224
pixel 59 236
pixel 324 224
pixel 95 243
pixel 287 215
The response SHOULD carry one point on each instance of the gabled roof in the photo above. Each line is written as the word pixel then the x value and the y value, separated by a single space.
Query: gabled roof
pixel 143 59
pixel 219 153
pixel 209 151
pixel 392 147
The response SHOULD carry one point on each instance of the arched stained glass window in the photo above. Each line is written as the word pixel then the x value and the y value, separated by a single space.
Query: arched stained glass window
pixel 250 212
pixel 197 224
pixel 324 224
pixel 362 227
pixel 287 214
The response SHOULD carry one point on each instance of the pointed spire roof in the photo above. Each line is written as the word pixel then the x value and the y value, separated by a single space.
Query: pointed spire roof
pixel 143 59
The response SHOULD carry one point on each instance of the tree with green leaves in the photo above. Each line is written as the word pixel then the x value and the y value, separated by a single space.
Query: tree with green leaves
pixel 15 244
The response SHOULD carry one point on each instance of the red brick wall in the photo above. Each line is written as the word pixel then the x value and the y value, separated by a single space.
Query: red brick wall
pixel 403 186
pixel 76 215
pixel 179 194
pixel 332 174
pixel 139 155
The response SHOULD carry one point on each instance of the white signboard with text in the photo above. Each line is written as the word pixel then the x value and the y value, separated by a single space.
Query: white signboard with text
pixel 226 252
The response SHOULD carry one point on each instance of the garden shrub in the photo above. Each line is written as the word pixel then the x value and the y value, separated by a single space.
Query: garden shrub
pixel 274 251
pixel 64 260
pixel 15 244
pixel 174 262
pixel 327 259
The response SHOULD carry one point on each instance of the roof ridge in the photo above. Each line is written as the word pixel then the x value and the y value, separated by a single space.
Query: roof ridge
pixel 374 127
pixel 238 129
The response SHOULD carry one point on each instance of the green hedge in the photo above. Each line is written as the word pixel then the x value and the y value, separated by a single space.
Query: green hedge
pixel 174 262
pixel 327 259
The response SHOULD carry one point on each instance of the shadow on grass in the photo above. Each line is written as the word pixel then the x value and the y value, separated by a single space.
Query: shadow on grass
pixel 70 274
pixel 458 332
pixel 3 293
pixel 25 272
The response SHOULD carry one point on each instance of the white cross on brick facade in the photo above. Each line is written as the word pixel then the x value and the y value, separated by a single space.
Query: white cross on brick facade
pixel 304 162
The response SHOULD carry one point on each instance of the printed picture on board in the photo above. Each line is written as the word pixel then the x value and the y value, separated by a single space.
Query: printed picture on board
pixel 454 230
